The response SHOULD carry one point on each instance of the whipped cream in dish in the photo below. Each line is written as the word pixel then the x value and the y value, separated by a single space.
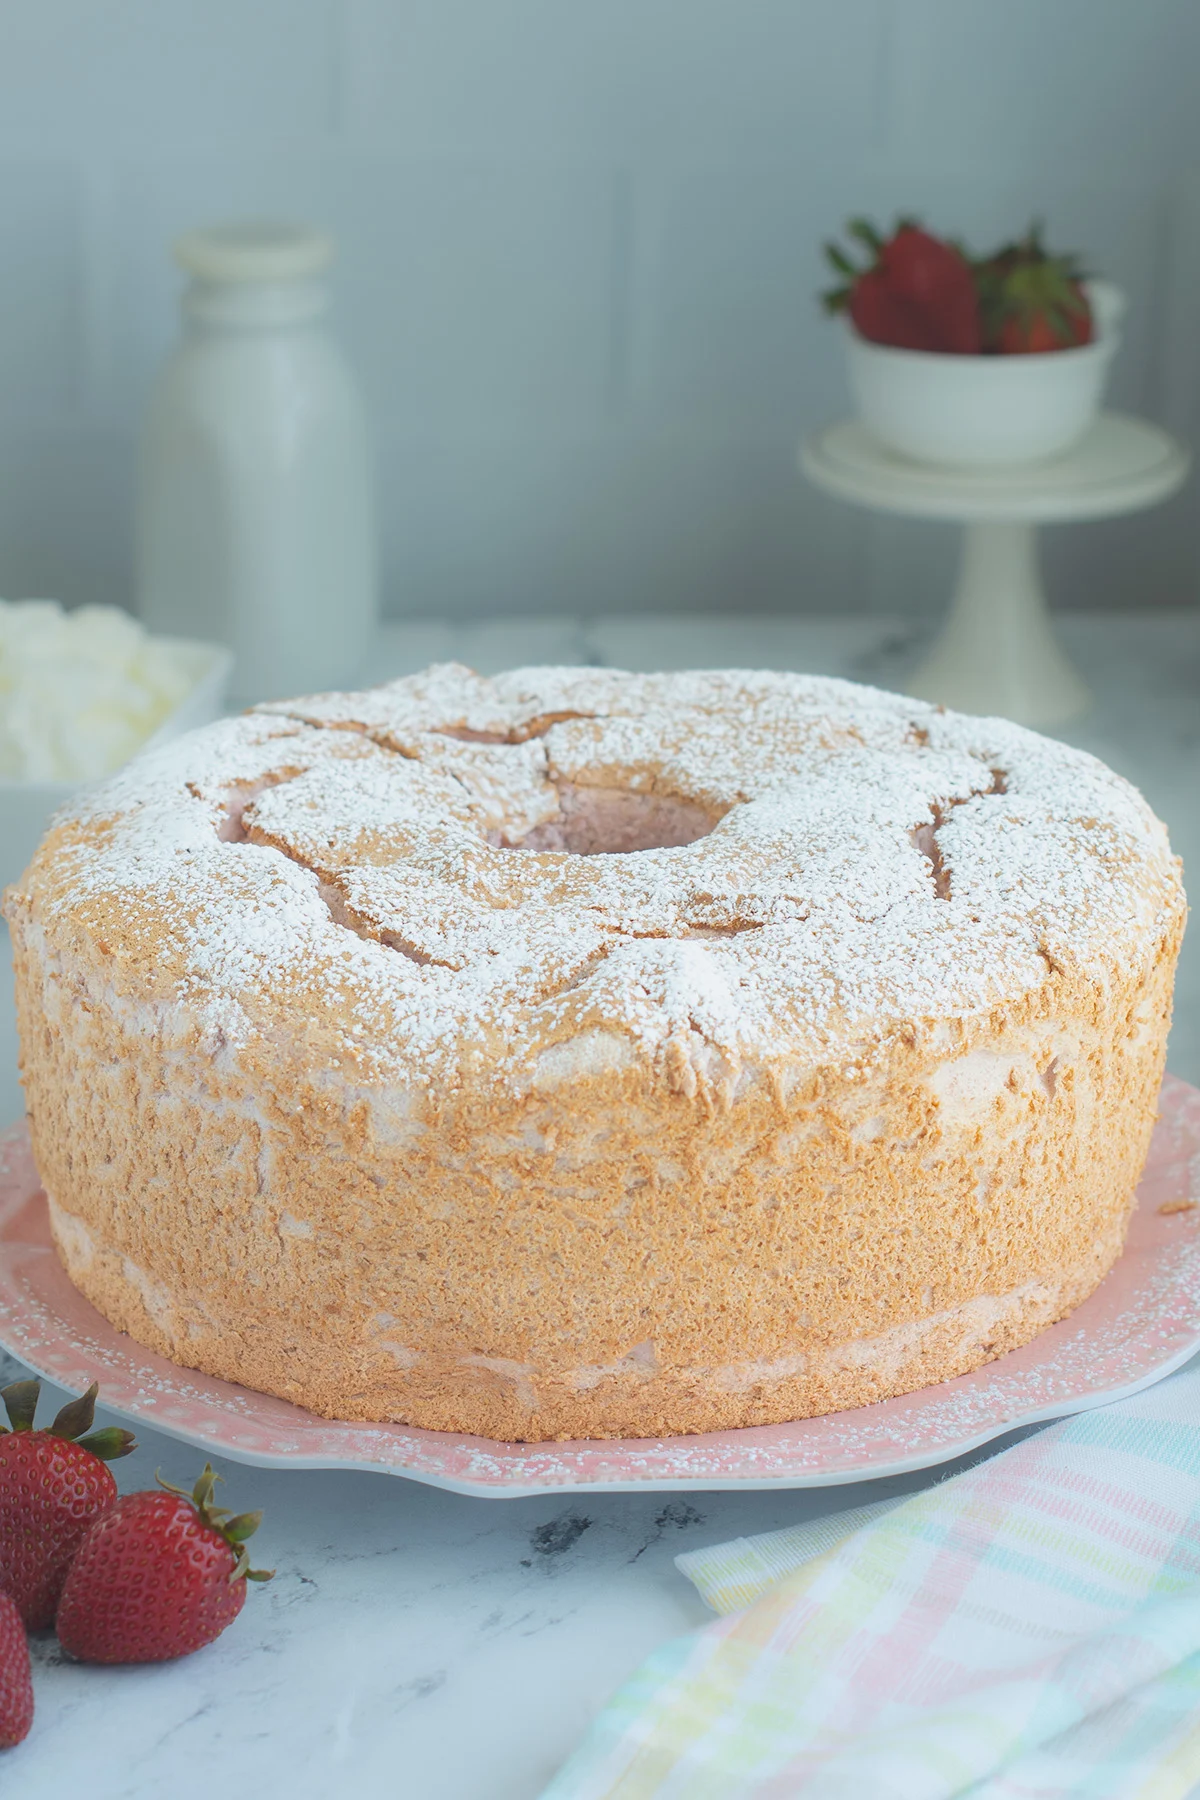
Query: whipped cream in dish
pixel 80 691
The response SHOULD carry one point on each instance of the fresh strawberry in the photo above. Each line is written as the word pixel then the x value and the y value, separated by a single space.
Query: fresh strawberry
pixel 917 294
pixel 53 1485
pixel 16 1683
pixel 161 1574
pixel 1031 301
pixel 885 317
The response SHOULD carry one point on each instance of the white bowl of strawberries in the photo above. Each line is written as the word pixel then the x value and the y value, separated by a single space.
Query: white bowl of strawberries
pixel 974 362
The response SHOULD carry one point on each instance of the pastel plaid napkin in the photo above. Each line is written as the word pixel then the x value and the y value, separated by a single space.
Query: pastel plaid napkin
pixel 1029 1630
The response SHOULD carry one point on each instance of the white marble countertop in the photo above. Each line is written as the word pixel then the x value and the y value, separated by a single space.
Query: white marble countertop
pixel 420 1645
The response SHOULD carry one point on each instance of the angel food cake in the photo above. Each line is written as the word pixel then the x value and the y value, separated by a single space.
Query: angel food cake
pixel 577 1053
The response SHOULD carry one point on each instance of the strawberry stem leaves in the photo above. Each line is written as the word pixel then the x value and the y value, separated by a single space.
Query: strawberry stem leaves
pixel 20 1403
pixel 234 1528
pixel 241 1527
pixel 865 232
pixel 77 1416
pixel 840 260
pixel 108 1443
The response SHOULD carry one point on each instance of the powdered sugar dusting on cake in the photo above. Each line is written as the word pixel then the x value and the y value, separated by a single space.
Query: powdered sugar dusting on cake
pixel 873 866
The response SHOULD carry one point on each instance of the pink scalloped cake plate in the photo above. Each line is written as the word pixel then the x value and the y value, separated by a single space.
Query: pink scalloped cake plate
pixel 1141 1323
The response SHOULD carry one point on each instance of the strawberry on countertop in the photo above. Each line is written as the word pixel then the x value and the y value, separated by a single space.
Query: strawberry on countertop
pixel 162 1573
pixel 16 1684
pixel 53 1484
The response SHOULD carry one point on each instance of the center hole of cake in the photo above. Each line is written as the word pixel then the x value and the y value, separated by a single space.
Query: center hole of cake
pixel 599 821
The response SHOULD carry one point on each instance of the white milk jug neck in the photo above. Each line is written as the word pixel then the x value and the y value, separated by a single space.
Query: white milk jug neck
pixel 257 275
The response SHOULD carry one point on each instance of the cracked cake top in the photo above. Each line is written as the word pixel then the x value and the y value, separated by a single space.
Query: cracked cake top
pixel 522 878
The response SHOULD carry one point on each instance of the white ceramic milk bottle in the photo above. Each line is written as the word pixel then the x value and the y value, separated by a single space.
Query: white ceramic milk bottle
pixel 254 520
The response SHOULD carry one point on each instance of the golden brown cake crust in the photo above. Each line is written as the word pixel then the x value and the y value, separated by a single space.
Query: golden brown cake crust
pixel 583 1054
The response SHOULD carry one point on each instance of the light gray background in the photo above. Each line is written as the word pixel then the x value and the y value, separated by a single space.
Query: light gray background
pixel 579 251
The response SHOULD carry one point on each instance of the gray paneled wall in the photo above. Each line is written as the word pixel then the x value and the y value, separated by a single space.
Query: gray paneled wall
pixel 579 248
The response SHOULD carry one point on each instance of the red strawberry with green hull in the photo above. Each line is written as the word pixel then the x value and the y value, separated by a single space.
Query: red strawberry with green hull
pixel 162 1573
pixel 16 1683
pixel 54 1483
pixel 1032 301
pixel 917 294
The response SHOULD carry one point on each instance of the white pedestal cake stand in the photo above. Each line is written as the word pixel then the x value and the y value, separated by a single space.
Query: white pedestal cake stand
pixel 997 652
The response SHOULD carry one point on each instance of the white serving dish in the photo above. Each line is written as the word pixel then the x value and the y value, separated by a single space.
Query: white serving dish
pixel 26 807
pixel 985 411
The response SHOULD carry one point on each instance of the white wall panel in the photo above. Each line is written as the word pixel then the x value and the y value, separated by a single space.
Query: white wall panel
pixel 579 253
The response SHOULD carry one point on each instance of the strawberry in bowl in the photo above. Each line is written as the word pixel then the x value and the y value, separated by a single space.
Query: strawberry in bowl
pixel 919 293
pixel 1031 302
pixel 972 362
